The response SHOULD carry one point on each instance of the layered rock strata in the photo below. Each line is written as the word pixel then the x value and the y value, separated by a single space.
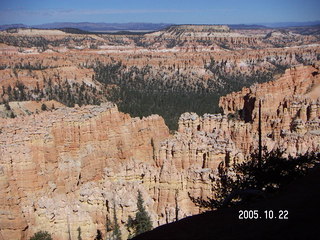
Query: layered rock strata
pixel 64 169
pixel 68 168
pixel 290 115
pixel 290 110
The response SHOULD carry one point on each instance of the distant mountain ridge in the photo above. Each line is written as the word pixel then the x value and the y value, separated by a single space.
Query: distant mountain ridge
pixel 246 26
pixel 88 26
pixel 290 24
pixel 141 26
pixel 8 26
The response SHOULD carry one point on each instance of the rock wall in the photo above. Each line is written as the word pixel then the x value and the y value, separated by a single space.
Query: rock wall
pixel 69 168
pixel 290 109
pixel 290 115
pixel 64 169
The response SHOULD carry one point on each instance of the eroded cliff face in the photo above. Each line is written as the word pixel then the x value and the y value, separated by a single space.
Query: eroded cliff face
pixel 69 168
pixel 64 169
pixel 290 110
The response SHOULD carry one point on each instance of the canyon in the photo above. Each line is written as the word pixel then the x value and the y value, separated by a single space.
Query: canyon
pixel 184 67
pixel 69 167
pixel 62 167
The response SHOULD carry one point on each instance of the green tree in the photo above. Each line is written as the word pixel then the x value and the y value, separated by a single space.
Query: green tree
pixel 142 222
pixel 262 174
pixel 41 235
pixel 143 219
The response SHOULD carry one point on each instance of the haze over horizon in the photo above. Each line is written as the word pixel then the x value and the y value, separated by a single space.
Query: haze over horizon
pixel 190 12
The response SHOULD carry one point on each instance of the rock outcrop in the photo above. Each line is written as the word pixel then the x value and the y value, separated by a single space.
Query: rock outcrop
pixel 64 169
pixel 68 168
pixel 290 110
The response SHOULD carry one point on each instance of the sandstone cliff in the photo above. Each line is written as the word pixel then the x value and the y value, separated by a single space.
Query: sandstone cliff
pixel 68 168
pixel 290 110
pixel 64 169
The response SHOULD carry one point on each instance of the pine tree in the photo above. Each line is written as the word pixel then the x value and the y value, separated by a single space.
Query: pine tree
pixel 142 222
pixel 142 217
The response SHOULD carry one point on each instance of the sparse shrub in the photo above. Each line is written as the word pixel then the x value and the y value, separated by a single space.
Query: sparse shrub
pixel 44 107
pixel 41 235
pixel 7 106
pixel 12 115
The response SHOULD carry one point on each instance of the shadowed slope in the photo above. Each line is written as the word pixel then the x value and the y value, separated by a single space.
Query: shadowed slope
pixel 301 199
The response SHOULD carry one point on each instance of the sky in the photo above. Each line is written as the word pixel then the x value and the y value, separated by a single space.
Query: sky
pixel 159 11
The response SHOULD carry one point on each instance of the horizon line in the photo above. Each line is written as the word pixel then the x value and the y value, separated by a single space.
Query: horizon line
pixel 135 22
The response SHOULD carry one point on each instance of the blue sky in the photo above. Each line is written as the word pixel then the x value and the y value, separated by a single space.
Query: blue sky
pixel 159 11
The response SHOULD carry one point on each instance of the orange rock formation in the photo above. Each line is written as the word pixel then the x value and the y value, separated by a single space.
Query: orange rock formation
pixel 67 168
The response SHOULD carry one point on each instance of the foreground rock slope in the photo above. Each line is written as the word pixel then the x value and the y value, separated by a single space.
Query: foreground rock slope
pixel 300 199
